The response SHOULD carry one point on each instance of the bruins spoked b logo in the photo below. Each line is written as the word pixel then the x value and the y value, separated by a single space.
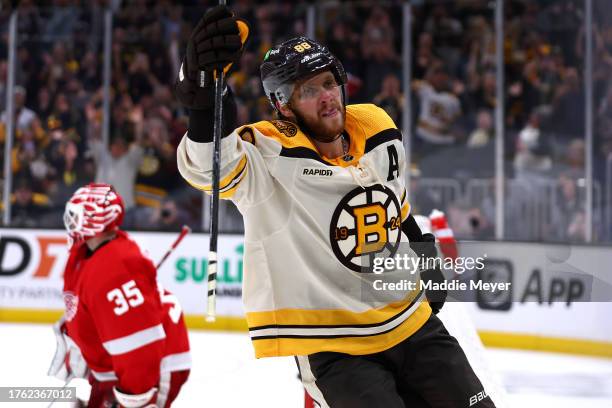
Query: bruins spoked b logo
pixel 366 224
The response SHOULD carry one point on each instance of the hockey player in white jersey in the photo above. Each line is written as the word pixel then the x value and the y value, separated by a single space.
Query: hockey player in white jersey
pixel 323 198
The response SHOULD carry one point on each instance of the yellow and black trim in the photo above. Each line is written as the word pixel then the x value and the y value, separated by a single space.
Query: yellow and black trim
pixel 406 207
pixel 320 331
pixel 299 332
pixel 367 127
pixel 382 137
pixel 405 210
pixel 287 345
pixel 229 183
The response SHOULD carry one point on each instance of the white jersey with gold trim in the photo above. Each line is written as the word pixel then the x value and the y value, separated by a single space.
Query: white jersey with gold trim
pixel 438 111
pixel 313 229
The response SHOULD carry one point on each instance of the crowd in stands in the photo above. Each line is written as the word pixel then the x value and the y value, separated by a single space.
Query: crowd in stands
pixel 59 146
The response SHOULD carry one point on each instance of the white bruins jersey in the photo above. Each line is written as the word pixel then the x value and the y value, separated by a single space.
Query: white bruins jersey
pixel 313 227
pixel 437 113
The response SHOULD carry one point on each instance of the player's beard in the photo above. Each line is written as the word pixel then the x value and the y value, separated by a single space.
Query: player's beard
pixel 321 130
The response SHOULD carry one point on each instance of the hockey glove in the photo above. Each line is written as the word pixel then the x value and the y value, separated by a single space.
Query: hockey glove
pixel 68 362
pixel 144 400
pixel 217 41
pixel 426 249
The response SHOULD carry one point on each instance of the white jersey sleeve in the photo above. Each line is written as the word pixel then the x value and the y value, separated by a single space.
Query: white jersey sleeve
pixel 244 177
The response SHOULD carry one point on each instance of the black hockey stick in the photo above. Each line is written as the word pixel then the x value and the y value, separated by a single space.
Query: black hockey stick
pixel 214 202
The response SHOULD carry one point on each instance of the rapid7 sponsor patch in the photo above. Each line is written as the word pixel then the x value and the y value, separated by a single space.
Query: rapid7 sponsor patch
pixel 317 171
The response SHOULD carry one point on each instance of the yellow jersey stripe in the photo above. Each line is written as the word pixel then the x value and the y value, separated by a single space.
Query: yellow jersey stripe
pixel 333 317
pixel 405 211
pixel 349 345
pixel 228 181
pixel 229 193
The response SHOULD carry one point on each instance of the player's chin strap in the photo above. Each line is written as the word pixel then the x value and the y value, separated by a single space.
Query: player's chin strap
pixel 144 400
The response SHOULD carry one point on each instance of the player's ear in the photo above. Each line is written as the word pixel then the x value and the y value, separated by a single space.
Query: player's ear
pixel 284 110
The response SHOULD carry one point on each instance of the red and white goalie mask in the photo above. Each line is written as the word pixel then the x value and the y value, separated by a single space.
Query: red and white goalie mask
pixel 92 210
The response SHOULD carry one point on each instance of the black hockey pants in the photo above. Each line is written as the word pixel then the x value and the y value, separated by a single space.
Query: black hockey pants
pixel 427 370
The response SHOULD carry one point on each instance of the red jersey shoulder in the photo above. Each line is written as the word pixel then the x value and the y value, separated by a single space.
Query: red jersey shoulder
pixel 116 263
pixel 122 255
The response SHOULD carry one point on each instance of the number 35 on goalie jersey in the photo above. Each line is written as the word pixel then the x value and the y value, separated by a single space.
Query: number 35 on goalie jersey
pixel 127 326
pixel 307 217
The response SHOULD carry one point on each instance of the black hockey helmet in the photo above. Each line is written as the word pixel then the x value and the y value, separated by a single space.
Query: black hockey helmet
pixel 292 60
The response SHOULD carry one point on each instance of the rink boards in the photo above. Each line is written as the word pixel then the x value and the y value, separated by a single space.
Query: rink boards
pixel 559 298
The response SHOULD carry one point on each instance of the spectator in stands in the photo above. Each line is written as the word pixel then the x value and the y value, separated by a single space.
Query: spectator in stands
pixel 26 205
pixel 439 109
pixel 483 134
pixel 568 106
pixel 24 151
pixel 69 171
pixel 118 165
pixel 424 56
pixel 62 72
pixel 65 113
pixel 447 32
pixel 574 156
pixel 391 99
pixel 89 72
pixel 343 42
pixel 379 55
pixel 569 217
pixel 169 217
pixel 532 153
pixel 64 18
pixel 140 78
pixel 25 118
pixel 157 175
pixel 603 119
pixel 44 105
pixel 482 91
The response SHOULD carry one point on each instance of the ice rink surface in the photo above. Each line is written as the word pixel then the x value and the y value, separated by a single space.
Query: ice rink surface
pixel 225 373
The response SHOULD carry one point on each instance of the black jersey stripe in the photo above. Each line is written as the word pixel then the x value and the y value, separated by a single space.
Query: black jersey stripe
pixel 302 153
pixel 340 326
pixel 400 317
pixel 320 336
pixel 382 137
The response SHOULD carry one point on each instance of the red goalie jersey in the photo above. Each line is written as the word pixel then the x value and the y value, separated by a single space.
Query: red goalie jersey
pixel 130 331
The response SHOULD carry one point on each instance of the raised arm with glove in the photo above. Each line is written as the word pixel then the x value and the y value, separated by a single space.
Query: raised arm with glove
pixel 217 41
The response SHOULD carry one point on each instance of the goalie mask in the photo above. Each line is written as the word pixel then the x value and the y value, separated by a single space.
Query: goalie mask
pixel 292 60
pixel 92 210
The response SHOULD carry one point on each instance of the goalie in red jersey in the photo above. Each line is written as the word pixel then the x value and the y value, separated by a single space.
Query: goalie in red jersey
pixel 120 329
